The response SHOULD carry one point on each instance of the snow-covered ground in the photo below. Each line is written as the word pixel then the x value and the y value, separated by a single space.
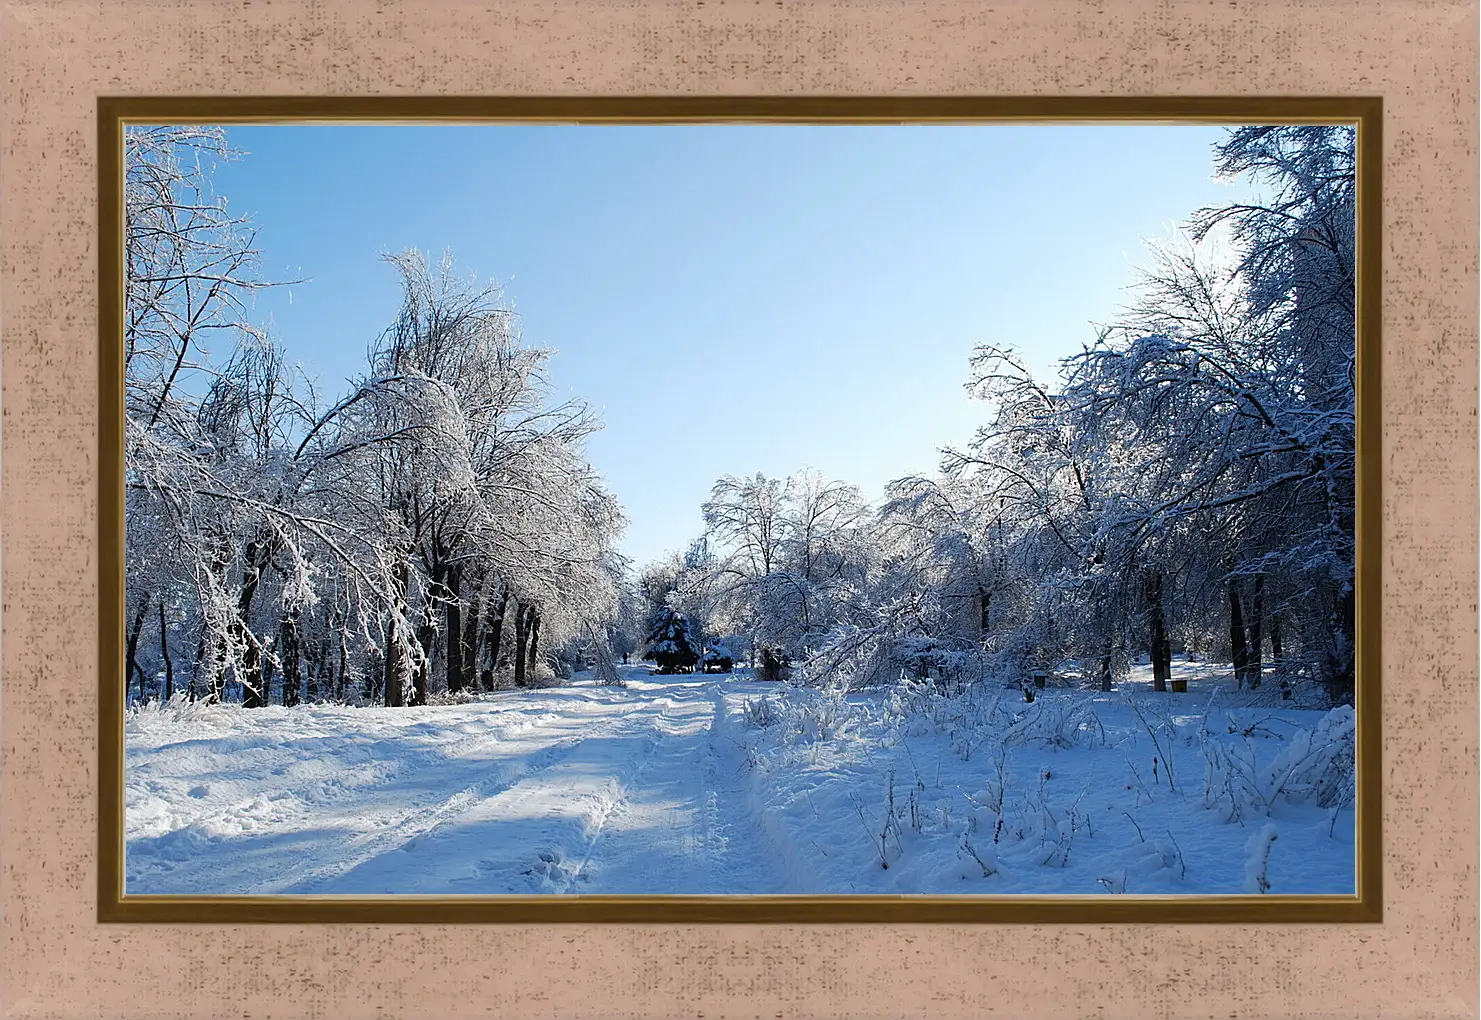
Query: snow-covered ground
pixel 721 784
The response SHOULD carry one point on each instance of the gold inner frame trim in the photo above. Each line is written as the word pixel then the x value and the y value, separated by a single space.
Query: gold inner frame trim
pixel 115 112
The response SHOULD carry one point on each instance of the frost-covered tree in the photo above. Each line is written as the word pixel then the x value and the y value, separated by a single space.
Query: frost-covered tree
pixel 501 513
pixel 371 544
pixel 789 558
pixel 1230 390
pixel 1191 472
pixel 1186 480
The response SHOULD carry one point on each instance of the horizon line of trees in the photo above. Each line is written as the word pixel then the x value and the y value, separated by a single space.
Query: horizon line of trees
pixel 1186 484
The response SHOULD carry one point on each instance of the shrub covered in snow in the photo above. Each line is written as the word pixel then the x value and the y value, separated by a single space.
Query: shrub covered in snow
pixel 890 652
pixel 463 697
pixel 179 708
pixel 1257 861
pixel 776 664
pixel 1057 722
pixel 932 658
pixel 760 712
pixel 543 675
pixel 811 716
pixel 718 659
pixel 1313 766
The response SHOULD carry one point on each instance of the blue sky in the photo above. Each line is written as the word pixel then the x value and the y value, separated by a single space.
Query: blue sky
pixel 730 298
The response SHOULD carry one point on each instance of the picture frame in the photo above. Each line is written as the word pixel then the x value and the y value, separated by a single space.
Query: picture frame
pixel 58 960
pixel 116 905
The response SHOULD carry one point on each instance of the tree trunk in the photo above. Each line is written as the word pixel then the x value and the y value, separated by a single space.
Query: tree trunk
pixel 1158 646
pixel 1162 656
pixel 457 678
pixel 200 659
pixel 1162 651
pixel 1237 650
pixel 292 658
pixel 269 669
pixel 164 653
pixel 1105 672
pixel 252 675
pixel 496 631
pixel 397 666
pixel 208 675
pixel 132 668
pixel 254 684
pixel 984 598
pixel 1255 651
pixel 1276 651
pixel 318 669
pixel 471 630
pixel 423 681
pixel 521 641
pixel 216 671
pixel 534 637
pixel 344 662
pixel 1340 659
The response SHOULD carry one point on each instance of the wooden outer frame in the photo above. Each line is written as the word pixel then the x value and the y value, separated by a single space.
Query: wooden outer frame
pixel 113 113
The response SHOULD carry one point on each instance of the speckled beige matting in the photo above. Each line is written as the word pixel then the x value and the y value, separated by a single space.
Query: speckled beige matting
pixel 58 56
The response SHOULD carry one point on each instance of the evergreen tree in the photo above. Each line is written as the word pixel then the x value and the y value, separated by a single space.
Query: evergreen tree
pixel 670 645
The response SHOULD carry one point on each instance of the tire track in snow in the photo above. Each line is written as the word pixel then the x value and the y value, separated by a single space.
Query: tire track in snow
pixel 353 772
pixel 418 823
pixel 581 793
pixel 635 784
pixel 625 786
pixel 519 771
pixel 754 863
pixel 676 828
pixel 314 845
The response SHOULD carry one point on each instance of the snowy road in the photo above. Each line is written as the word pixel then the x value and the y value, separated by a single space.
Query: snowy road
pixel 670 785
pixel 580 789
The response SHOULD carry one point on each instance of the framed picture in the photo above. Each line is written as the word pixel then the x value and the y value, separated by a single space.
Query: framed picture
pixel 739 509
pixel 1051 150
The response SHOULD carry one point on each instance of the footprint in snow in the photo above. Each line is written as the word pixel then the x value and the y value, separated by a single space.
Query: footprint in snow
pixel 550 866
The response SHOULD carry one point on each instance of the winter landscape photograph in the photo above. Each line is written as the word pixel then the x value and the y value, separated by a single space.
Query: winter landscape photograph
pixel 753 509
